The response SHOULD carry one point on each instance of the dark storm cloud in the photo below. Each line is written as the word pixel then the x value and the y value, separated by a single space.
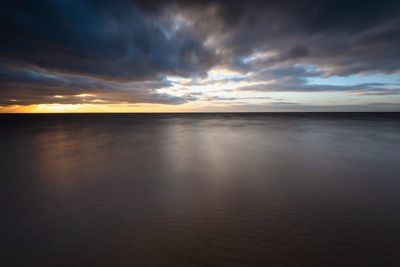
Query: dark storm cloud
pixel 111 40
pixel 110 49
pixel 123 50
pixel 347 36
pixel 35 86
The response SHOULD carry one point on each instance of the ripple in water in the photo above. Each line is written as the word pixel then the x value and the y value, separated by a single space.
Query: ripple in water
pixel 200 190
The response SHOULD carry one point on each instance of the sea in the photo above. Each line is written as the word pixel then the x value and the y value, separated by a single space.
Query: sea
pixel 200 189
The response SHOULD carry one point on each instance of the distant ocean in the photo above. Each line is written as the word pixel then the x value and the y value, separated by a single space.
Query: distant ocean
pixel 239 189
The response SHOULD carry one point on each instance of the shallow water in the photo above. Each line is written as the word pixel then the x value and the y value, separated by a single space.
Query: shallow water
pixel 268 189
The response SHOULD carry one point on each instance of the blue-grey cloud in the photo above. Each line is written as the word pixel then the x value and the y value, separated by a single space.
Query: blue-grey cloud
pixel 124 50
pixel 109 40
pixel 36 86
pixel 360 89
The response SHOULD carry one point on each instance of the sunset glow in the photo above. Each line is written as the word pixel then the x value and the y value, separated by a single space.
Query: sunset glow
pixel 191 133
pixel 185 57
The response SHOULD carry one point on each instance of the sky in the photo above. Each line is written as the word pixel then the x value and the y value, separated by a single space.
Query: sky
pixel 199 56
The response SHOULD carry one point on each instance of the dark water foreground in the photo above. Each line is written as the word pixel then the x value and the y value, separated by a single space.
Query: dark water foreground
pixel 200 190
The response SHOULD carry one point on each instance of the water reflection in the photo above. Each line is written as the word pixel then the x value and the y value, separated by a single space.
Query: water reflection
pixel 195 190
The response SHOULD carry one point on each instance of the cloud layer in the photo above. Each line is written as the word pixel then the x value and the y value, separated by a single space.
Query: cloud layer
pixel 126 51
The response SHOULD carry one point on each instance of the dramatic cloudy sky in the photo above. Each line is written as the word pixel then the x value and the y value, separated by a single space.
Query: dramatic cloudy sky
pixel 277 55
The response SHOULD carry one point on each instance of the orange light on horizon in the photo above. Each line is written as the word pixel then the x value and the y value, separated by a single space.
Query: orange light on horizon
pixel 94 108
pixel 85 95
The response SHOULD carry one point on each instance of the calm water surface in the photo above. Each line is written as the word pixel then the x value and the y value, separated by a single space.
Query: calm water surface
pixel 200 190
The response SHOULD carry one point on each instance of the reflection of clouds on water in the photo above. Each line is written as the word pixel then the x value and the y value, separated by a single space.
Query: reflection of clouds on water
pixel 67 158
pixel 192 187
